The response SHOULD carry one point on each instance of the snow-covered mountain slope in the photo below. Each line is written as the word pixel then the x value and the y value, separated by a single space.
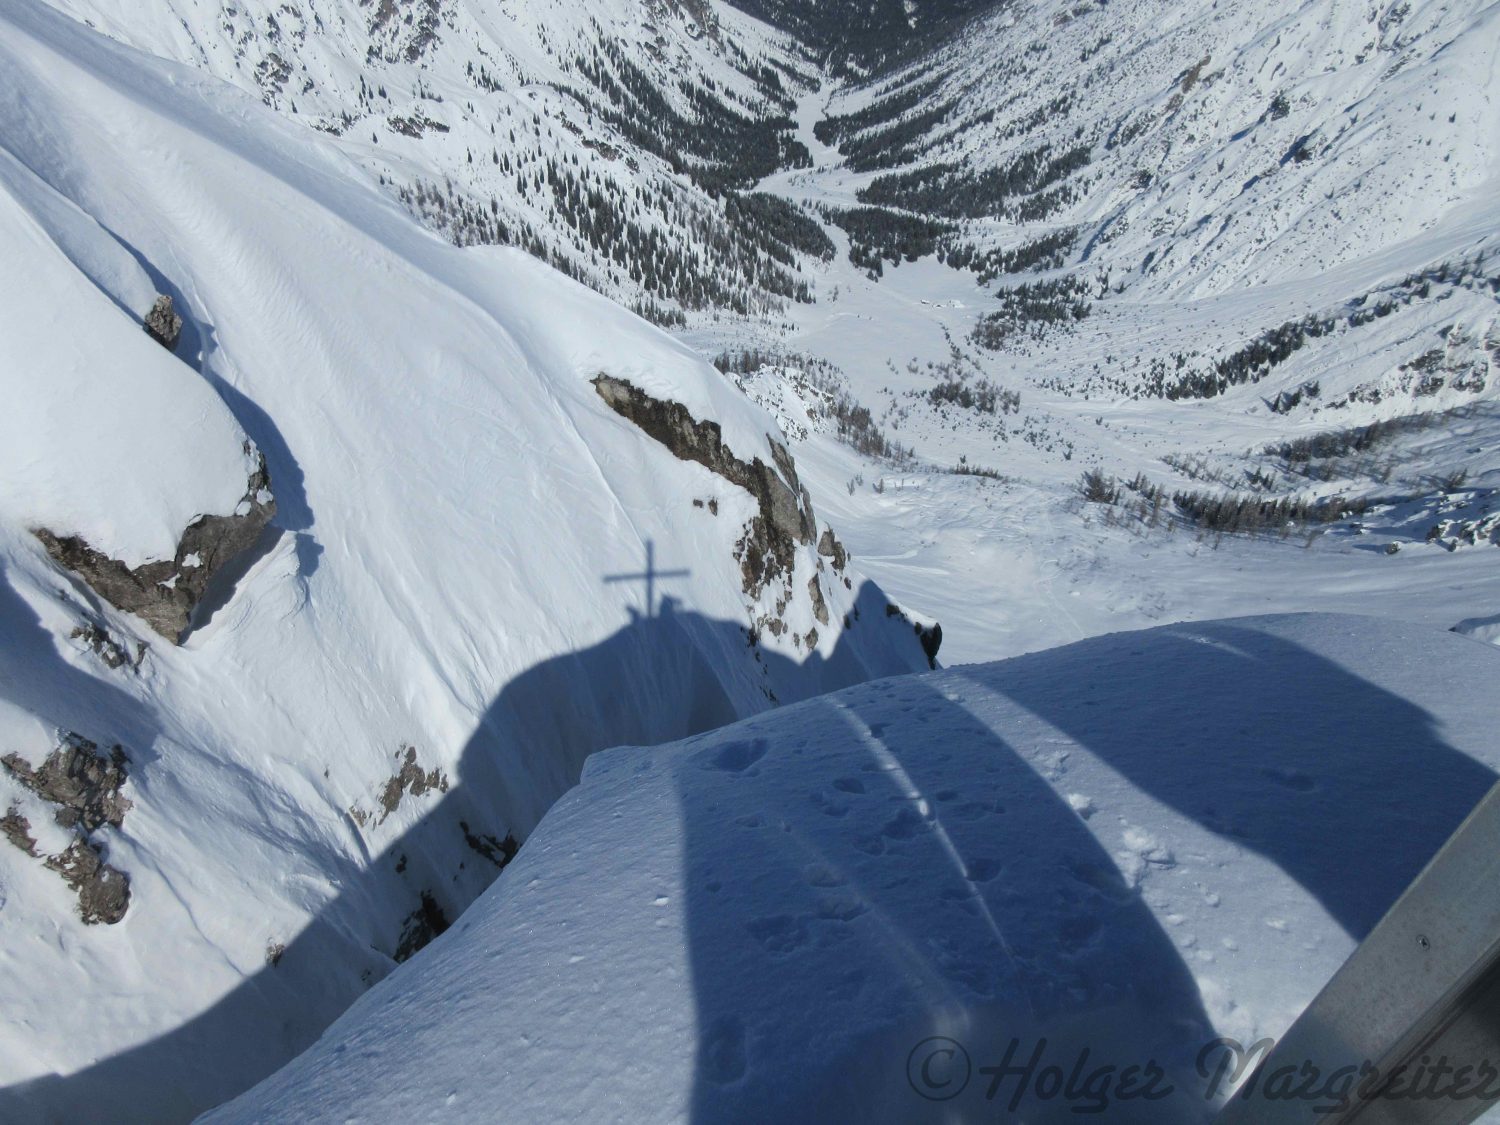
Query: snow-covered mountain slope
pixel 1131 845
pixel 1194 151
pixel 108 437
pixel 1237 262
pixel 374 704
pixel 1269 279
pixel 853 37
pixel 613 138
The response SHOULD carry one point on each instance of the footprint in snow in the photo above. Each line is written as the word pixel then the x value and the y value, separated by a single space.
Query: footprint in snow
pixel 822 875
pixel 1295 780
pixel 904 825
pixel 981 869
pixel 1082 805
pixel 1149 848
pixel 737 757
pixel 780 933
pixel 840 907
pixel 828 804
pixel 723 1055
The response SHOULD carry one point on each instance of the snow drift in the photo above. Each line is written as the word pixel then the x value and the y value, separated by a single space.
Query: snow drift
pixel 1130 845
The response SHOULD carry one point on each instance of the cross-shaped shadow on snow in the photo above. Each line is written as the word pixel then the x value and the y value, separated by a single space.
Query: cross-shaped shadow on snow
pixel 657 679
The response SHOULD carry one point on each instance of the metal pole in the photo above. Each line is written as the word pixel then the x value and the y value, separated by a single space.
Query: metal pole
pixel 1414 1011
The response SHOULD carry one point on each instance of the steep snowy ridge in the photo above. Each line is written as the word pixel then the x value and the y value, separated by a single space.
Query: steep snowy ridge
pixel 1124 847
pixel 386 695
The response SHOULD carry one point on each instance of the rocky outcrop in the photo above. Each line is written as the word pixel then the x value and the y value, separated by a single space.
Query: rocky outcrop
pixel 103 891
pixel 820 606
pixel 830 548
pixel 930 637
pixel 408 778
pixel 103 644
pixel 17 829
pixel 164 593
pixel 84 785
pixel 163 324
pixel 785 519
pixel 422 925
pixel 497 851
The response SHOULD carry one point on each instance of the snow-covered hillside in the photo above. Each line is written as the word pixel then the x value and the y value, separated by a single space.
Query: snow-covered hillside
pixel 447 613
pixel 1128 846
pixel 1226 257
pixel 613 138
pixel 1193 151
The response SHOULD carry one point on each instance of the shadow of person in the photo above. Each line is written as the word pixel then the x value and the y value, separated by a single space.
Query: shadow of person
pixel 657 679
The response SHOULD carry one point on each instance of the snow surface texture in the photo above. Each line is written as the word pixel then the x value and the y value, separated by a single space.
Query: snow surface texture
pixel 416 660
pixel 1132 844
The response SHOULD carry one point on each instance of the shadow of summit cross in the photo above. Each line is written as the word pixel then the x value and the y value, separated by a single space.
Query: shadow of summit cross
pixel 649 576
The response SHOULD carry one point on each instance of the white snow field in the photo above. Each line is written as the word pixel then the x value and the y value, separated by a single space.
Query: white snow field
pixel 1285 235
pixel 1129 845
pixel 422 650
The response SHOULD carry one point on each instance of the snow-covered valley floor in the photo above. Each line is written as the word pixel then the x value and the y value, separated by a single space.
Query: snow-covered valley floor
pixel 1012 559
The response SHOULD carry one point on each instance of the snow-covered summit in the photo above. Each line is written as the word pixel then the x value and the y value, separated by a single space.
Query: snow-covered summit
pixel 1130 845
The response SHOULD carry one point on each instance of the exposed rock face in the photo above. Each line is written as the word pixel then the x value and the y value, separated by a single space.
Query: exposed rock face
pixel 930 637
pixel 17 829
pixel 932 641
pixel 820 606
pixel 85 786
pixel 423 924
pixel 164 593
pixel 830 548
pixel 103 891
pixel 497 851
pixel 408 778
pixel 163 324
pixel 104 645
pixel 767 551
